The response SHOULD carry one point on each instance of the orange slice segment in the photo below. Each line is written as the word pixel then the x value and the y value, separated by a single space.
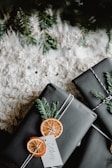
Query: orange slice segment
pixel 37 145
pixel 51 126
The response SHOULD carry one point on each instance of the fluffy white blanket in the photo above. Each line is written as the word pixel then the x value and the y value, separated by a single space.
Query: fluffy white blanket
pixel 24 72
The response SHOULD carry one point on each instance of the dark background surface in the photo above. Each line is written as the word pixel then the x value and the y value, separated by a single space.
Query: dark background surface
pixel 4 138
pixel 90 14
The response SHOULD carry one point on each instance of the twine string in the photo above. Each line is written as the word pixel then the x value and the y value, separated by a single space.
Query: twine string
pixel 29 157
pixel 106 100
pixel 63 105
pixel 100 82
pixel 71 98
pixel 101 132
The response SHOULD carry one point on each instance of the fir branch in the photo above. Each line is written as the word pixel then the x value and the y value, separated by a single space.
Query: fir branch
pixel 23 23
pixel 108 76
pixel 98 95
pixel 1 30
pixel 54 109
pixel 19 22
pixel 109 106
pixel 41 108
pixel 47 42
pixel 27 40
pixel 46 19
pixel 45 109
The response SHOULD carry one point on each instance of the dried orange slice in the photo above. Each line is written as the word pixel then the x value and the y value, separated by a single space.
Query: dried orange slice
pixel 37 145
pixel 51 126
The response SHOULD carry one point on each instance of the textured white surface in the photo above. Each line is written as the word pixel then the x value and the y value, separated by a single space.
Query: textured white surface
pixel 24 72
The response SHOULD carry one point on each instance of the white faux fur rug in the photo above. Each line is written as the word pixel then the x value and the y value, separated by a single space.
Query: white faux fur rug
pixel 24 72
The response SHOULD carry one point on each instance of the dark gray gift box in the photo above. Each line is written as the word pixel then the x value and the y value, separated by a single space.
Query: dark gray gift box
pixel 93 153
pixel 87 82
pixel 76 121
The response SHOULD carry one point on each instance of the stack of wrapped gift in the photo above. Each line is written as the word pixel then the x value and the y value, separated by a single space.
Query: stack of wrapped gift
pixel 96 86
pixel 75 117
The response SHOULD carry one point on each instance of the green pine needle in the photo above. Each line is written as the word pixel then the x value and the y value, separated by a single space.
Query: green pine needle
pixel 22 22
pixel 47 110
pixel 47 107
pixel 1 30
pixel 31 40
pixel 28 40
pixel 98 95
pixel 41 108
pixel 46 20
pixel 109 106
pixel 19 22
pixel 47 42
pixel 108 76
pixel 54 109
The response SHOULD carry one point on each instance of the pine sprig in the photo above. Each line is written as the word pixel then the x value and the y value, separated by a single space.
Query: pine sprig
pixel 47 107
pixel 54 109
pixel 109 106
pixel 1 30
pixel 109 81
pixel 19 22
pixel 27 40
pixel 40 106
pixel 47 110
pixel 23 23
pixel 47 42
pixel 100 96
pixel 46 20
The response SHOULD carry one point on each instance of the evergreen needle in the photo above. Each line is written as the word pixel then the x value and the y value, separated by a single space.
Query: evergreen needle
pixel 1 30
pixel 45 109
pixel 98 95
pixel 41 108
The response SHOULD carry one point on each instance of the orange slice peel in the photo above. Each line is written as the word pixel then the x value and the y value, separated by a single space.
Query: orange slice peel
pixel 36 146
pixel 51 126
